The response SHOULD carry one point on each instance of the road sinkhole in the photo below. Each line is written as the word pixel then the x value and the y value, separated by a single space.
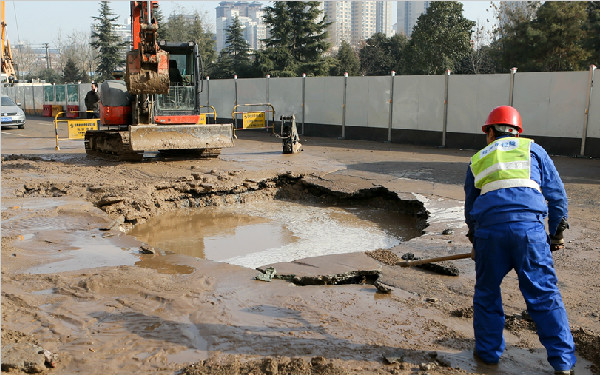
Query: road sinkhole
pixel 270 231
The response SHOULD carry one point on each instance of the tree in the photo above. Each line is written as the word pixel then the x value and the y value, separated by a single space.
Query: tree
pixel 480 59
pixel 549 37
pixel 182 28
pixel 109 45
pixel 379 56
pixel 71 73
pixel 160 22
pixel 237 47
pixel 592 43
pixel 78 49
pixel 440 39
pixel 26 61
pixel 346 60
pixel 297 39
pixel 561 30
pixel 514 35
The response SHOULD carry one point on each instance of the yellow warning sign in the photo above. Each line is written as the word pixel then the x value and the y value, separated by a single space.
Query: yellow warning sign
pixel 253 120
pixel 202 119
pixel 77 128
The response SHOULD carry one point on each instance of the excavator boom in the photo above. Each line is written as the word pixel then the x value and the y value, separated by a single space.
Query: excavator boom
pixel 8 69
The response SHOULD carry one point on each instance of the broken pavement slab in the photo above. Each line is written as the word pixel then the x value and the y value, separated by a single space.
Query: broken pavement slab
pixel 353 268
pixel 26 357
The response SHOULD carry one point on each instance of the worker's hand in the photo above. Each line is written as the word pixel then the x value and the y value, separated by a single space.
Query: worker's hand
pixel 473 253
pixel 556 242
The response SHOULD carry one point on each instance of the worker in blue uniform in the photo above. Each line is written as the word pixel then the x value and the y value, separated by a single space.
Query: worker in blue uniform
pixel 511 187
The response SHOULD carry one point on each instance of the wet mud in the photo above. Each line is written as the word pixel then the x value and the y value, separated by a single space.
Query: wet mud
pixel 76 284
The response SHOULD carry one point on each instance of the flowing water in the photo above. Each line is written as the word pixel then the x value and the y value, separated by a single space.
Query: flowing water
pixel 266 232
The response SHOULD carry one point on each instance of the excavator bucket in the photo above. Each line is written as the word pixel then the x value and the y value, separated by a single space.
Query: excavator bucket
pixel 147 77
pixel 180 137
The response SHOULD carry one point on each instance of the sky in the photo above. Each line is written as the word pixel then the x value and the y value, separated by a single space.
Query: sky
pixel 38 22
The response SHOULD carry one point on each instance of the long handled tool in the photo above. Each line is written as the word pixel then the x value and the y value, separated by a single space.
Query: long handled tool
pixel 409 263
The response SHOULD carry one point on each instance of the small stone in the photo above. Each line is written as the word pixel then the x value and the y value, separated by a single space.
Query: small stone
pixel 145 249
pixel 448 231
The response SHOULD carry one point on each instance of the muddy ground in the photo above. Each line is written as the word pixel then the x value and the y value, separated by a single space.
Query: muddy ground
pixel 76 285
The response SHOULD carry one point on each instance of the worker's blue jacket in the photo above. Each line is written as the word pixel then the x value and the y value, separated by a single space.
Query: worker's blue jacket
pixel 519 203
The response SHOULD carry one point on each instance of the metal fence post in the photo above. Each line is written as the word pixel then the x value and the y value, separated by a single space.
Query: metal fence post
pixel 588 99
pixel 236 98
pixel 303 101
pixel 391 111
pixel 33 99
pixel 445 126
pixel 208 92
pixel 268 77
pixel 344 106
pixel 513 71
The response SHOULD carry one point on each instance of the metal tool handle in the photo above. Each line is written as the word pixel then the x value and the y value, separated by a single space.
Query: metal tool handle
pixel 409 263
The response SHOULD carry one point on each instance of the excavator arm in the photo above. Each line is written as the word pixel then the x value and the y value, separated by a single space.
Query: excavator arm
pixel 147 65
pixel 7 65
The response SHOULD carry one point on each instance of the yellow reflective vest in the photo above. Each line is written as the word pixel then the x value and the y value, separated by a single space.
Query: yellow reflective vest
pixel 504 163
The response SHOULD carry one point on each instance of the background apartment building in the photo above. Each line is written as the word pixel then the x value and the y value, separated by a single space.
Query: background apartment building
pixel 356 21
pixel 250 16
pixel 407 14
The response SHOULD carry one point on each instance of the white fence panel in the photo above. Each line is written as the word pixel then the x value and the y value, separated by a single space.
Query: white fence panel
pixel 551 104
pixel 357 106
pixel 378 101
pixel 419 103
pixel 285 95
pixel 324 99
pixel 406 102
pixel 251 91
pixel 472 97
pixel 222 96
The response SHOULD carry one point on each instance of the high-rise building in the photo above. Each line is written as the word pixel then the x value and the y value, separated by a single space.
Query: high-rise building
pixel 384 18
pixel 364 21
pixel 408 12
pixel 249 15
pixel 339 13
pixel 356 21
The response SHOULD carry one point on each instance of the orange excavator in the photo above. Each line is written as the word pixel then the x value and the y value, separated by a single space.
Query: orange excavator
pixel 8 70
pixel 157 106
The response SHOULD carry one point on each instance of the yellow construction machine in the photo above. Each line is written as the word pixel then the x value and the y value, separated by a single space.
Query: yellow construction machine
pixel 157 107
pixel 8 70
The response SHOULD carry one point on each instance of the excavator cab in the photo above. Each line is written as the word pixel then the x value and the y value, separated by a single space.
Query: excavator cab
pixel 185 81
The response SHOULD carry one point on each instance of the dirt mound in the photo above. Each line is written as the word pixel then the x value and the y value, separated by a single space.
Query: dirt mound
pixel 587 344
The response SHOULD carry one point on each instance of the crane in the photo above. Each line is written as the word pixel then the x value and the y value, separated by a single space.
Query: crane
pixel 8 70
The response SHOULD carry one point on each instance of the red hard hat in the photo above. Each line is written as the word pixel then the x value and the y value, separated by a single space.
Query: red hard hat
pixel 504 115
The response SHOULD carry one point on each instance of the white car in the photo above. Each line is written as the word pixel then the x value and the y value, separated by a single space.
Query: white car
pixel 11 114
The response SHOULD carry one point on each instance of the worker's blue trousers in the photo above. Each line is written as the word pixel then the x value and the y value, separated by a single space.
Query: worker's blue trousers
pixel 521 246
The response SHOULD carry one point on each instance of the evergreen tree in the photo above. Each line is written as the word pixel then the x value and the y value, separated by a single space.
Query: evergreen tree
pixel 554 36
pixel 297 39
pixel 592 43
pixel 107 42
pixel 180 28
pixel 560 27
pixel 223 67
pixel 440 39
pixel 346 60
pixel 380 55
pixel 237 47
pixel 71 73
pixel 160 22
pixel 515 36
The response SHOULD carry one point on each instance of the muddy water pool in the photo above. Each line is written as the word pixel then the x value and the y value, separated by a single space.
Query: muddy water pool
pixel 261 233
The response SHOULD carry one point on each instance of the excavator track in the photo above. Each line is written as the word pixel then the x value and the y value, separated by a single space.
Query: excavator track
pixel 111 144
